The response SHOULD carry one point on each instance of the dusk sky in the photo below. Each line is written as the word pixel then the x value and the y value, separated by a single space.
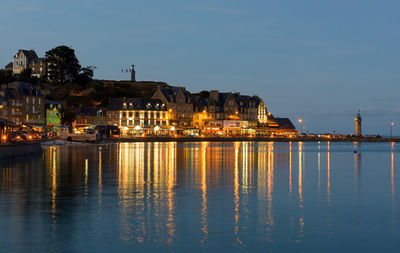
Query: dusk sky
pixel 318 60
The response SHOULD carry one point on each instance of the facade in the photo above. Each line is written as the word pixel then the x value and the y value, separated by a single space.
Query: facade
pixel 91 116
pixel 22 60
pixel 138 115
pixel 179 105
pixel 23 103
pixel 52 118
pixel 28 59
pixel 226 107
pixel 38 67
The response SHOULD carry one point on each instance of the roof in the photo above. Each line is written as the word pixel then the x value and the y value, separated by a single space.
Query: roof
pixel 283 123
pixel 89 111
pixel 28 89
pixel 54 102
pixel 170 93
pixel 117 104
pixel 4 121
pixel 10 93
pixel 31 54
pixel 9 65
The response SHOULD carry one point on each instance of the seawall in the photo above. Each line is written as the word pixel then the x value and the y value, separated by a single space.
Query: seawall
pixel 10 151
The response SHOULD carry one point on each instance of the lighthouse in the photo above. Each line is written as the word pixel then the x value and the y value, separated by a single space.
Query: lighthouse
pixel 358 124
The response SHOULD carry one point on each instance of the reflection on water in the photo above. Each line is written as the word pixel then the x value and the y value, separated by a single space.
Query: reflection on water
pixel 239 196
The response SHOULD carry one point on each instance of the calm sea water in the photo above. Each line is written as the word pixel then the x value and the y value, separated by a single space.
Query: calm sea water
pixel 203 197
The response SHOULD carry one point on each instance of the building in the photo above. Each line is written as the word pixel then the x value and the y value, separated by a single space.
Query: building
pixel 22 60
pixel 9 67
pixel 38 67
pixel 179 105
pixel 90 116
pixel 28 59
pixel 218 108
pixel 52 118
pixel 23 103
pixel 136 116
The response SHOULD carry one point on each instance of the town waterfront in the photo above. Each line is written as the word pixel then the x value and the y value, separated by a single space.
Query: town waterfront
pixel 203 196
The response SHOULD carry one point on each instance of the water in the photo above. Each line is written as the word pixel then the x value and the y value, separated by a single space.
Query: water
pixel 198 197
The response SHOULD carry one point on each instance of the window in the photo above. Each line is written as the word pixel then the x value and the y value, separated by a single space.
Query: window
pixel 145 114
pixel 137 114
pixel 136 122
pixel 124 114
pixel 130 122
pixel 130 115
pixel 27 100
pixel 158 115
pixel 152 115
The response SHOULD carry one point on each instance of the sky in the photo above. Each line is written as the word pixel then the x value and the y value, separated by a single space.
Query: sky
pixel 317 60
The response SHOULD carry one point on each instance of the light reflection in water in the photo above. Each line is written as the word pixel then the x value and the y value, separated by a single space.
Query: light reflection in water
pixel 328 172
pixel 204 225
pixel 236 194
pixel 290 169
pixel 270 188
pixel 392 181
pixel 100 182
pixel 357 166
pixel 300 184
pixel 139 185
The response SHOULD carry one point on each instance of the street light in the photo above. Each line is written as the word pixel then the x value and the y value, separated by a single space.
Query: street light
pixel 391 126
pixel 300 120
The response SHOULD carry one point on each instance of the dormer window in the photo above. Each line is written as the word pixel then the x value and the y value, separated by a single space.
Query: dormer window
pixel 124 105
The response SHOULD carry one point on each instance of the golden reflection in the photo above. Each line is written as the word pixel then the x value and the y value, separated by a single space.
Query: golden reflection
pixel 300 184
pixel 392 168
pixel 100 183
pixel 300 174
pixel 204 225
pixel 319 166
pixel 171 182
pixel 328 184
pixel 6 178
pixel 236 193
pixel 86 176
pixel 290 169
pixel 146 181
pixel 53 174
pixel 245 167
pixel 270 188
pixel 393 219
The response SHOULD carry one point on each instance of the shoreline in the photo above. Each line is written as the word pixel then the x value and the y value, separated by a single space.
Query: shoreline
pixel 256 139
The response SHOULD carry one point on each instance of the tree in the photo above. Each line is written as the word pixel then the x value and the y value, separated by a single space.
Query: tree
pixel 67 116
pixel 85 75
pixel 63 64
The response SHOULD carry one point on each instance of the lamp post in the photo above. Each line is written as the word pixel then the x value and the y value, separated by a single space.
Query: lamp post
pixel 300 120
pixel 391 126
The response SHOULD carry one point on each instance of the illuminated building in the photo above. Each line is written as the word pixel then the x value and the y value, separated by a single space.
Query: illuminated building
pixel 138 115
pixel 22 103
pixel 178 103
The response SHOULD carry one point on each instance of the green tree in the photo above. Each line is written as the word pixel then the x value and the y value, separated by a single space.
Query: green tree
pixel 63 64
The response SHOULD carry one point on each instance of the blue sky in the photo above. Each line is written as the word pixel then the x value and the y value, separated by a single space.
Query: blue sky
pixel 319 60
